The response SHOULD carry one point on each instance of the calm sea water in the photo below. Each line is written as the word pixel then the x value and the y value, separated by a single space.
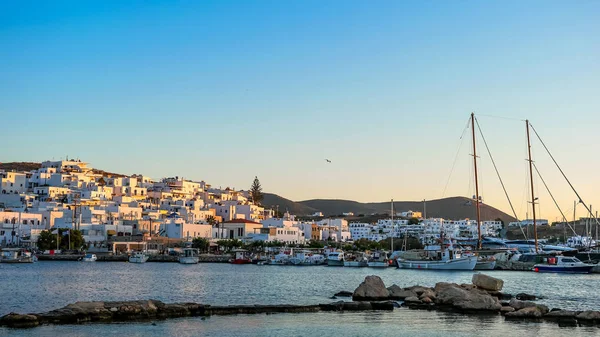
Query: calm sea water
pixel 48 285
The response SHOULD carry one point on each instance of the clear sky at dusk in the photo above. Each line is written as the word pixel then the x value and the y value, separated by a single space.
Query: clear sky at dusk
pixel 226 90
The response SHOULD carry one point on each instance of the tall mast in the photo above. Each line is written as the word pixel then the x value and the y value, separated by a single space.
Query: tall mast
pixel 476 183
pixel 532 193
pixel 392 243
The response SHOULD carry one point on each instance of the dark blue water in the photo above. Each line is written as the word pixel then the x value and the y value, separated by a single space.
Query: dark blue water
pixel 47 285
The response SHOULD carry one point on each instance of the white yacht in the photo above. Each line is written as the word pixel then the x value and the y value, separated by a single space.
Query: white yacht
pixel 189 256
pixel 335 258
pixel 138 257
pixel 90 258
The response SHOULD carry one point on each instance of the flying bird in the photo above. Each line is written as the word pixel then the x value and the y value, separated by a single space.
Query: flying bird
pixel 327 160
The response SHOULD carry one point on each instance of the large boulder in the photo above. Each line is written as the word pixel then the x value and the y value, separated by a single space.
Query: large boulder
pixel 487 282
pixel 397 293
pixel 371 289
pixel 461 299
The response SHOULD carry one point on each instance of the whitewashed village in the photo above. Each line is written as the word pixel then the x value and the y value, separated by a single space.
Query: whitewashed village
pixel 65 206
pixel 66 194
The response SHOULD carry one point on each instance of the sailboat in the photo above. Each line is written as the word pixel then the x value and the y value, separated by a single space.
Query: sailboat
pixel 483 263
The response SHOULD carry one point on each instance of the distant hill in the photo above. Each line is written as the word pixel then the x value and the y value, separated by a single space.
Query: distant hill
pixel 448 208
pixel 272 200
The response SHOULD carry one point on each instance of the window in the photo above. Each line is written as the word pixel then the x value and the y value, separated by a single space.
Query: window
pixel 24 222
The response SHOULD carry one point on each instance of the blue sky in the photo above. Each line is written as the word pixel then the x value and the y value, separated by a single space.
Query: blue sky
pixel 226 90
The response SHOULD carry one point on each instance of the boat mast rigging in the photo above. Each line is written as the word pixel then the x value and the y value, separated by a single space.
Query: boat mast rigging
pixel 531 180
pixel 476 183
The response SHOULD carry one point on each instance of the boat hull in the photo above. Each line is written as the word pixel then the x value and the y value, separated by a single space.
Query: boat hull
pixel 138 259
pixel 240 261
pixel 355 264
pixel 485 265
pixel 188 259
pixel 378 264
pixel 335 263
pixel 540 268
pixel 18 260
pixel 457 264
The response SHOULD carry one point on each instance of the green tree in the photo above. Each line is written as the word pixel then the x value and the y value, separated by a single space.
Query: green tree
pixel 211 220
pixel 256 192
pixel 315 244
pixel 201 244
pixel 46 240
pixel 413 221
pixel 76 239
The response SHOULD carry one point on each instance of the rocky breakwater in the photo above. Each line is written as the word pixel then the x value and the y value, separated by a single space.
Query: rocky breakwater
pixel 483 296
pixel 106 312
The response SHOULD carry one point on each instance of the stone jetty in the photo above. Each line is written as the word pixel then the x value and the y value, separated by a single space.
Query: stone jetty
pixel 106 312
pixel 483 296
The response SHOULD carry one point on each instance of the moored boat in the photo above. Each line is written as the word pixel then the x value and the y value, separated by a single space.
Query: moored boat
pixel 138 257
pixel 90 258
pixel 335 258
pixel 378 259
pixel 563 264
pixel 241 257
pixel 189 256
pixel 440 259
pixel 355 260
pixel 17 255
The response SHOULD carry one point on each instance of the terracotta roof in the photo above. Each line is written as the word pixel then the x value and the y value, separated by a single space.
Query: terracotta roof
pixel 242 221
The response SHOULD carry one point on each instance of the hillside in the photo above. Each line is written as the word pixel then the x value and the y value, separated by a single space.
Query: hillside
pixel 272 200
pixel 449 208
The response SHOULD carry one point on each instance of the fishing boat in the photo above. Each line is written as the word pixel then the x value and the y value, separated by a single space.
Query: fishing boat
pixel 379 259
pixel 138 257
pixel 280 259
pixel 485 263
pixel 307 258
pixel 563 264
pixel 356 260
pixel 241 257
pixel 439 258
pixel 17 255
pixel 189 256
pixel 89 258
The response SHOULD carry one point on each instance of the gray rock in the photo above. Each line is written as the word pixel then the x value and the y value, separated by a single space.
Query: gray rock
pixel 397 293
pixel 589 315
pixel 506 309
pixel 487 282
pixel 412 300
pixel 525 297
pixel 417 289
pixel 461 299
pixel 14 320
pixel 528 312
pixel 344 294
pixel 560 314
pixel 371 289
pixel 428 293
